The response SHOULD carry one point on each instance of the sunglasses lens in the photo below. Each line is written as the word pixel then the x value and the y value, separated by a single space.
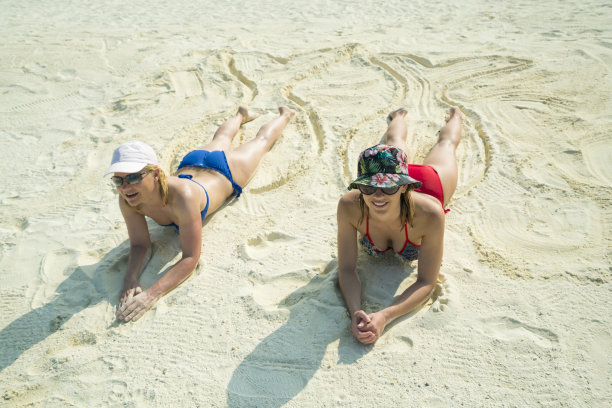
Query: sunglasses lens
pixel 367 190
pixel 133 178
pixel 117 181
pixel 390 190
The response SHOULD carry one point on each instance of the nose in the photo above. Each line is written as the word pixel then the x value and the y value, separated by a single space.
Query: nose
pixel 378 192
pixel 123 185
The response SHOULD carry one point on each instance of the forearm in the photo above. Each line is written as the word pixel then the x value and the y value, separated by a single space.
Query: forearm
pixel 412 298
pixel 350 285
pixel 177 274
pixel 138 259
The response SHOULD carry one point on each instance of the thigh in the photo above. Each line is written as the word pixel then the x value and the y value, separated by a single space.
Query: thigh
pixel 442 158
pixel 216 144
pixel 244 160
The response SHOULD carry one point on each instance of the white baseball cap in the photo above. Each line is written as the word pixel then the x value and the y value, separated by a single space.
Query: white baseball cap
pixel 131 157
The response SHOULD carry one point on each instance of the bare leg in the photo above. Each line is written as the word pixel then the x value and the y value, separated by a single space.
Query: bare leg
pixel 397 131
pixel 222 140
pixel 442 155
pixel 244 160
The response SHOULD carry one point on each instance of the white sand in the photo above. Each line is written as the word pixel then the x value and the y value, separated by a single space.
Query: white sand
pixel 522 313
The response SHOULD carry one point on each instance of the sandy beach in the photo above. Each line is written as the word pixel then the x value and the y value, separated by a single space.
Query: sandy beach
pixel 521 314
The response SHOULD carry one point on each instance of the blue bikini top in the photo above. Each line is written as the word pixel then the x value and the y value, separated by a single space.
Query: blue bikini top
pixel 204 211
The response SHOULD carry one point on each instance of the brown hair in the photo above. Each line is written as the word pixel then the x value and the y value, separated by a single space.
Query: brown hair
pixel 163 182
pixel 406 208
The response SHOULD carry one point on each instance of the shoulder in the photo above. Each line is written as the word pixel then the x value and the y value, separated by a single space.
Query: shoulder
pixel 428 210
pixel 349 210
pixel 178 190
pixel 348 204
pixel 183 195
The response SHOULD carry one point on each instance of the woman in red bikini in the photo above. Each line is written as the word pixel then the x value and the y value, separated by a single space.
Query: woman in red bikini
pixel 396 207
pixel 205 179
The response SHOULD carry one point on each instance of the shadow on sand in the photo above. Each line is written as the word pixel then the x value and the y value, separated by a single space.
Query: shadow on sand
pixel 85 287
pixel 281 366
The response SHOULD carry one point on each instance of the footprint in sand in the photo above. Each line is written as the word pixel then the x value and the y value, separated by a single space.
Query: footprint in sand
pixel 511 330
pixel 274 283
pixel 265 245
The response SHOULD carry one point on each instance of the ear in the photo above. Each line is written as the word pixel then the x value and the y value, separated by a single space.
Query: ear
pixel 404 188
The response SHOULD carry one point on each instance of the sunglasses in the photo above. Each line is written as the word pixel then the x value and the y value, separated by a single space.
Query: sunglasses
pixel 369 190
pixel 133 178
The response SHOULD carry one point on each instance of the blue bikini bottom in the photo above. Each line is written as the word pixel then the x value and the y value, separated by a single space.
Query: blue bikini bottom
pixel 215 160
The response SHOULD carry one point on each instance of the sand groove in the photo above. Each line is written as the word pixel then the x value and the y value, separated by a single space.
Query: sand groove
pixel 520 315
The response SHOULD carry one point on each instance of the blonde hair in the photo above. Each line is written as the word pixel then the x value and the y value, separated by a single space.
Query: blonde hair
pixel 163 182
pixel 406 208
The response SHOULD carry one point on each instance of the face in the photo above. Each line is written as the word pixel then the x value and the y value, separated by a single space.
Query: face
pixel 382 203
pixel 139 191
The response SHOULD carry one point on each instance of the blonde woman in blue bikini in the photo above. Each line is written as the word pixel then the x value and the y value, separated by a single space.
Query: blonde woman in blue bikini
pixel 205 179
pixel 396 207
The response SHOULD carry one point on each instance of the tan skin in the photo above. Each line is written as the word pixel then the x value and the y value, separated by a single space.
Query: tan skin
pixel 186 200
pixel 386 230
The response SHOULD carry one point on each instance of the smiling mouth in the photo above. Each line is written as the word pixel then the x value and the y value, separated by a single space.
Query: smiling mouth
pixel 379 205
pixel 131 195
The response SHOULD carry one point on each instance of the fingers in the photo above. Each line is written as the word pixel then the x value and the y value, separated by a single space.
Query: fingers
pixel 136 313
pixel 136 304
pixel 370 327
pixel 365 337
pixel 370 340
pixel 361 318
pixel 360 314
pixel 131 307
pixel 125 295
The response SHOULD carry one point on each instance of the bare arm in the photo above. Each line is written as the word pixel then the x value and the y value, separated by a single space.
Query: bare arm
pixel 190 233
pixel 430 259
pixel 347 260
pixel 140 248
pixel 349 282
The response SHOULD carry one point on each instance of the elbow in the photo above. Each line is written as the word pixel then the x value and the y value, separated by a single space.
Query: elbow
pixel 145 247
pixel 190 263
pixel 428 285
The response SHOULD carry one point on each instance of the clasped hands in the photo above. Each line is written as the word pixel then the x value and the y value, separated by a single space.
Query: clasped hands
pixel 134 303
pixel 367 328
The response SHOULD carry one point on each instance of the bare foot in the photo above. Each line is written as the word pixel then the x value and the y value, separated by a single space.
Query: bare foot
pixel 401 112
pixel 285 111
pixel 245 115
pixel 454 114
pixel 452 130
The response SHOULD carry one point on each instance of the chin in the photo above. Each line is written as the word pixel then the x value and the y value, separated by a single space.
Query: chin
pixel 133 201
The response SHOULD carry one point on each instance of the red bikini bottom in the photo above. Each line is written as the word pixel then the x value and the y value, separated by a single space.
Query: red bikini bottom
pixel 431 181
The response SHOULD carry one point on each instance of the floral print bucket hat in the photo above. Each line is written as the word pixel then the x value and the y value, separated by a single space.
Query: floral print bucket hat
pixel 383 166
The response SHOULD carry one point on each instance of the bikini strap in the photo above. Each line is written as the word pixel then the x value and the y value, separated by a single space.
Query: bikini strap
pixel 190 177
pixel 207 201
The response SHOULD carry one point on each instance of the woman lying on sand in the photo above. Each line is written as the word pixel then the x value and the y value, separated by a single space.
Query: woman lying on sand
pixel 206 178
pixel 398 207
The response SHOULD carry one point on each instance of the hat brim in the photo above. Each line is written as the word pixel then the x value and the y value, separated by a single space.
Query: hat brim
pixel 373 180
pixel 125 167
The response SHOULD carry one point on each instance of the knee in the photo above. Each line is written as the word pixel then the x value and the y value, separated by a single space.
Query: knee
pixel 448 141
